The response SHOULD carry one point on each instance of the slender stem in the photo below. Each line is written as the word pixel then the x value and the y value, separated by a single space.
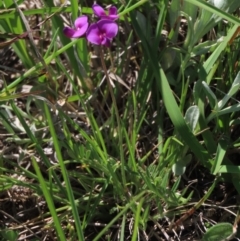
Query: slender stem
pixel 117 116
pixel 136 5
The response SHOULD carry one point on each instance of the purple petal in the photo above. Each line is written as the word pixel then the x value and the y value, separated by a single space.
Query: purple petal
pixel 98 10
pixel 104 41
pixel 72 33
pixel 81 31
pixel 81 21
pixel 110 17
pixel 93 34
pixel 107 43
pixel 112 10
pixel 81 26
pixel 108 28
pixel 69 32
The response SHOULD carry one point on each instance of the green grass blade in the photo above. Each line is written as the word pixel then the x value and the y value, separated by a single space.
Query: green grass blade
pixel 65 175
pixel 49 201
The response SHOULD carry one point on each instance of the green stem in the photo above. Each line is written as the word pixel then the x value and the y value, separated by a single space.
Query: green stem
pixel 117 117
pixel 136 5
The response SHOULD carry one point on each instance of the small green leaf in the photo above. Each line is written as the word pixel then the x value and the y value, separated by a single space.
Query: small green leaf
pixel 205 47
pixel 234 88
pixel 221 151
pixel 9 235
pixel 169 57
pixel 179 168
pixel 191 117
pixel 218 232
pixel 211 96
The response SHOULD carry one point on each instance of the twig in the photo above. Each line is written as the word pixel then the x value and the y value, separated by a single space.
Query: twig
pixel 15 220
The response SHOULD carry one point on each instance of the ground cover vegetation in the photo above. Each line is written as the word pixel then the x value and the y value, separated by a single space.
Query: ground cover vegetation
pixel 119 120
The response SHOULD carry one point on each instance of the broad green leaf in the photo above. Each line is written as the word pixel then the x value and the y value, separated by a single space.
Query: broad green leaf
pixel 141 19
pixel 190 9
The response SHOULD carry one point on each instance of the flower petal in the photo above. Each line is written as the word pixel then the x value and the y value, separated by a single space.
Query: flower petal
pixel 81 26
pixel 98 10
pixel 112 10
pixel 81 21
pixel 111 17
pixel 72 33
pixel 107 43
pixel 81 31
pixel 93 34
pixel 108 27
pixel 69 32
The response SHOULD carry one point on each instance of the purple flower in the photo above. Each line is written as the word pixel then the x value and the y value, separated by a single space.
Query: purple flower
pixel 99 12
pixel 81 26
pixel 102 32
